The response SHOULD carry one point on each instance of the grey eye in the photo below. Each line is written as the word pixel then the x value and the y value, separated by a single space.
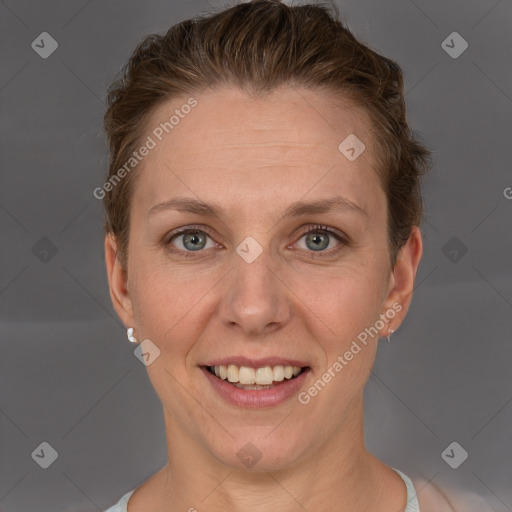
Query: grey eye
pixel 191 240
pixel 317 241
pixel 196 240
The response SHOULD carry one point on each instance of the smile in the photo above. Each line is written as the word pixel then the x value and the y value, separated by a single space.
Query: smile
pixel 246 377
pixel 266 386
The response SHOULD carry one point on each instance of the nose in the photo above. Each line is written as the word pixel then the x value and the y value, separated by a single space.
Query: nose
pixel 255 299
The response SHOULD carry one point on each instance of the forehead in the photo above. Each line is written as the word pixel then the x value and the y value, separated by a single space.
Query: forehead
pixel 230 116
pixel 287 141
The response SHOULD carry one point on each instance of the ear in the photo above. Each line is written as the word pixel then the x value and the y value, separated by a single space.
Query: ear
pixel 118 283
pixel 401 283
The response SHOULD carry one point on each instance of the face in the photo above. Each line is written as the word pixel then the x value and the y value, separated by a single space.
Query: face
pixel 257 276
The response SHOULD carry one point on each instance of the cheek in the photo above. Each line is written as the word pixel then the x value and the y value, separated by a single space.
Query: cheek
pixel 334 303
pixel 340 308
pixel 343 299
pixel 168 304
pixel 349 309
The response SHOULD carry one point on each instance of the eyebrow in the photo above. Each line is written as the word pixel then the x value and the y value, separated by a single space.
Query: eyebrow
pixel 296 209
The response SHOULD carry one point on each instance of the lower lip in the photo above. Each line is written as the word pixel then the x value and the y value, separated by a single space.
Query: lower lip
pixel 257 398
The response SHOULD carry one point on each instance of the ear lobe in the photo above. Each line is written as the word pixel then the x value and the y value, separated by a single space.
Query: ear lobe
pixel 117 280
pixel 404 273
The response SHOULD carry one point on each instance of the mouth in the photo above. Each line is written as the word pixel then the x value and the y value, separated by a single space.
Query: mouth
pixel 253 379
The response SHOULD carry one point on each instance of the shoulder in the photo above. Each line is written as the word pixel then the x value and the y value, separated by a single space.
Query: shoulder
pixel 122 504
pixel 433 498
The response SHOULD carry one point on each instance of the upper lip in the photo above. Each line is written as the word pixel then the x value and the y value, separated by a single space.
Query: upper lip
pixel 256 363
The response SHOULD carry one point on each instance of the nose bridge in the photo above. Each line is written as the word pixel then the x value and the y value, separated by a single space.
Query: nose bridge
pixel 255 298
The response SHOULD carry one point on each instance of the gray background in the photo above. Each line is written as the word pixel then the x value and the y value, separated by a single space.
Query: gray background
pixel 68 375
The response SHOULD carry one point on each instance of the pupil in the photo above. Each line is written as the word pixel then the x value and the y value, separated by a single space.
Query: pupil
pixel 315 237
pixel 194 238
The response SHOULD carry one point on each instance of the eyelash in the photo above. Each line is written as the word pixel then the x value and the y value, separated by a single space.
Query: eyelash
pixel 343 241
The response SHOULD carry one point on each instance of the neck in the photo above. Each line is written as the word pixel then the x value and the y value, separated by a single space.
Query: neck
pixel 337 473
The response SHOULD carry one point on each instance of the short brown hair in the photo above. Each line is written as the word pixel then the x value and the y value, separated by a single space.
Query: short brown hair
pixel 258 46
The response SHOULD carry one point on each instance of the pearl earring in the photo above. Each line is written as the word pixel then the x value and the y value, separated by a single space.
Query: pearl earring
pixel 131 337
pixel 390 332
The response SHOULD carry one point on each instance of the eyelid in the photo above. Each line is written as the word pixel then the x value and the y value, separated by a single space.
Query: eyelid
pixel 185 229
pixel 304 230
pixel 331 231
pixel 167 245
pixel 343 241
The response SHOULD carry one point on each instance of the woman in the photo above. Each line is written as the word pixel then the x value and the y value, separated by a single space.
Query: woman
pixel 262 232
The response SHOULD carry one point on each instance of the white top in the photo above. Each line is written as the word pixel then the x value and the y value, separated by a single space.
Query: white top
pixel 412 500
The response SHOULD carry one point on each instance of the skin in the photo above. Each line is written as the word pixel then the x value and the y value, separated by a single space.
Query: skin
pixel 254 157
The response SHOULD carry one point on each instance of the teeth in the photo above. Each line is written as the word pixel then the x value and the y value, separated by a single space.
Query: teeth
pixel 250 386
pixel 278 373
pixel 247 375
pixel 264 376
pixel 232 373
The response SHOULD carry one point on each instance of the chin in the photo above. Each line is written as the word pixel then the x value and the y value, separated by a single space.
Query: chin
pixel 260 450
